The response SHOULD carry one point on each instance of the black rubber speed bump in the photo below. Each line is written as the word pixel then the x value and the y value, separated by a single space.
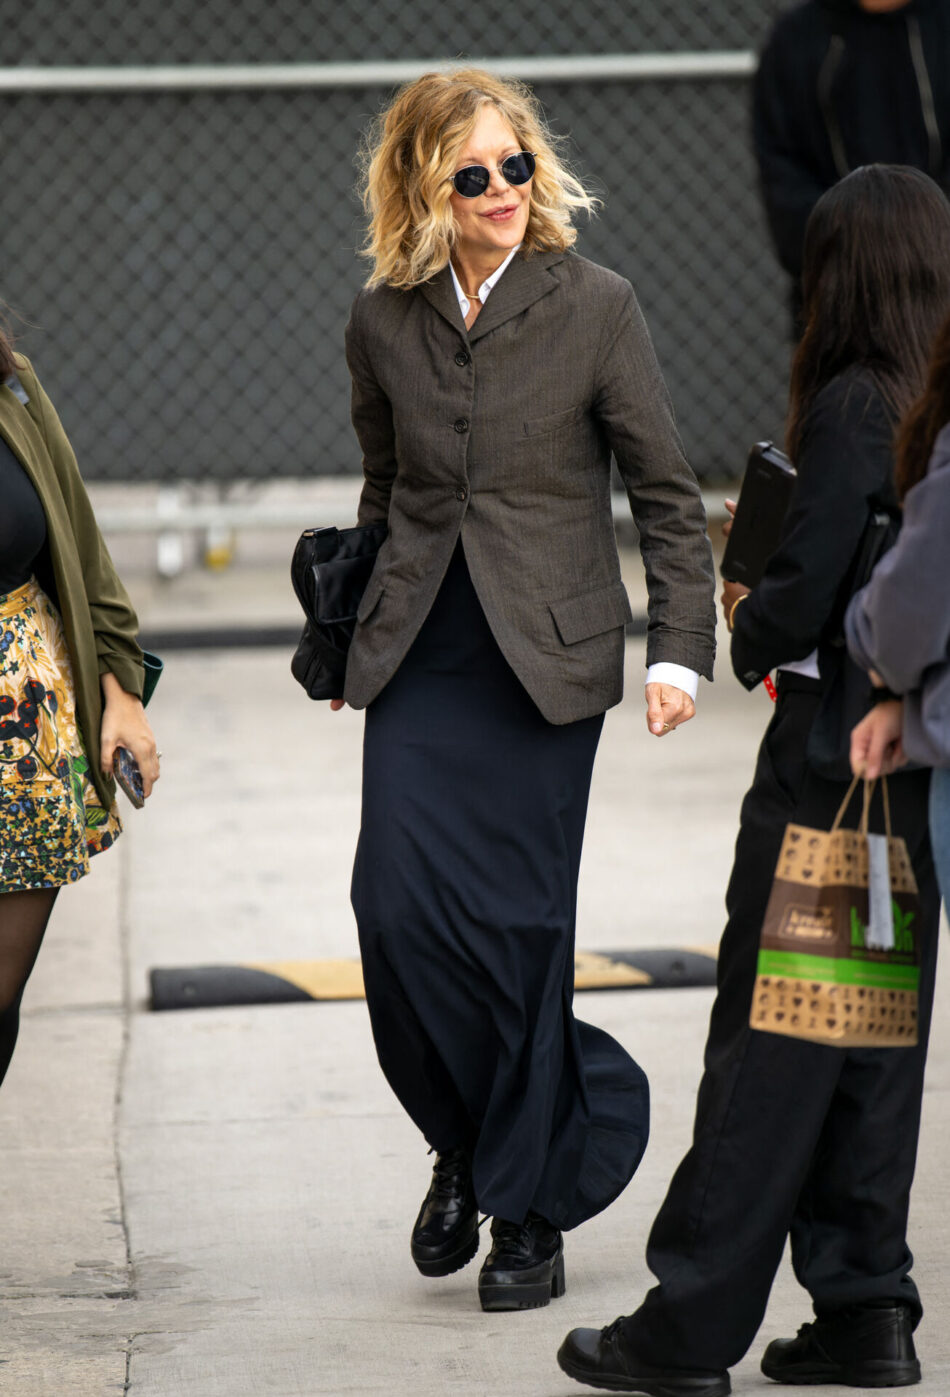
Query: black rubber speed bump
pixel 308 981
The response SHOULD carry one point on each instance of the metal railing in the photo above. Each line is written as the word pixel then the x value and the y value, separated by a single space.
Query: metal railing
pixel 180 77
pixel 172 519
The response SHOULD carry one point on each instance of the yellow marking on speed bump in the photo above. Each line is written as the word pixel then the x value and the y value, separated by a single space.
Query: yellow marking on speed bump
pixel 595 972
pixel 343 979
pixel 321 979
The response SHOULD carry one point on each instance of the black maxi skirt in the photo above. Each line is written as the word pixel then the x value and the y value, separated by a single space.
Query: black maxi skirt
pixel 464 889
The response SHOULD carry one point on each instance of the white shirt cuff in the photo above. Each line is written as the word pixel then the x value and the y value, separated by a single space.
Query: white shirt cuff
pixel 677 675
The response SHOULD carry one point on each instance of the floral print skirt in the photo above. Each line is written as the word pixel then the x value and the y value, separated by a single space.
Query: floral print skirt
pixel 51 818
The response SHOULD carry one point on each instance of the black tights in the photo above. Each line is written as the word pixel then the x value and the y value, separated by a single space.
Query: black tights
pixel 23 919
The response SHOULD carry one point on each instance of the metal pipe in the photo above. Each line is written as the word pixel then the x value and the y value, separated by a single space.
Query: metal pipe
pixel 119 519
pixel 197 77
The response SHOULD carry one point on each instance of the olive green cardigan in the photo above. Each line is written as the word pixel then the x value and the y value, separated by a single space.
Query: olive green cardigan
pixel 98 619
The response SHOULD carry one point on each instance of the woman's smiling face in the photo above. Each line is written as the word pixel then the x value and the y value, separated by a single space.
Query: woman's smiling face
pixel 496 221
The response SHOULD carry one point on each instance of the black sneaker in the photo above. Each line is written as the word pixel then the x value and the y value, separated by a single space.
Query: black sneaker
pixel 445 1236
pixel 864 1346
pixel 525 1266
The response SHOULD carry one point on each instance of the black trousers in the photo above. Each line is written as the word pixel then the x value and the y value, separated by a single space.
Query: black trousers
pixel 790 1137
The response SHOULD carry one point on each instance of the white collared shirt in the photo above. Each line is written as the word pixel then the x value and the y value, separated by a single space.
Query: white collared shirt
pixel 664 672
pixel 487 285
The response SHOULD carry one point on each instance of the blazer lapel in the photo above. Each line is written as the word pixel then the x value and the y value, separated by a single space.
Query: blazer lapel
pixel 526 281
pixel 440 293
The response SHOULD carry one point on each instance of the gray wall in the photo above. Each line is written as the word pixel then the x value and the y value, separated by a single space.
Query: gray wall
pixel 184 263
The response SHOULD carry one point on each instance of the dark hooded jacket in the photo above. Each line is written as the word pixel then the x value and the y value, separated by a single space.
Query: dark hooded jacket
pixel 838 87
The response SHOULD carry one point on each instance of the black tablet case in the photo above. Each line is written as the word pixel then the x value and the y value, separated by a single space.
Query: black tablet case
pixel 760 513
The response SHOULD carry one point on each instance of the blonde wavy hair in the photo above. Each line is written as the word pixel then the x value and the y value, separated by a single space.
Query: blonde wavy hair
pixel 411 153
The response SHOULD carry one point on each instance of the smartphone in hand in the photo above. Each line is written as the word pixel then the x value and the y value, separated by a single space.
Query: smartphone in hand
pixel 128 776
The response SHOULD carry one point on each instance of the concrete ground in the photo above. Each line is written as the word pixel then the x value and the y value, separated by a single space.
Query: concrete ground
pixel 218 1202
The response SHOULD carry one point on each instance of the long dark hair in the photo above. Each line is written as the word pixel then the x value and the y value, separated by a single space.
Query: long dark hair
pixel 931 412
pixel 876 286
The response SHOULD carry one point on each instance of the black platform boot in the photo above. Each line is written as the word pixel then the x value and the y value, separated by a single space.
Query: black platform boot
pixel 525 1266
pixel 445 1235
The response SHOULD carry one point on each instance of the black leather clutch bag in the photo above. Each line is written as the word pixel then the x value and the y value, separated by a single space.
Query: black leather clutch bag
pixel 154 667
pixel 760 513
pixel 329 571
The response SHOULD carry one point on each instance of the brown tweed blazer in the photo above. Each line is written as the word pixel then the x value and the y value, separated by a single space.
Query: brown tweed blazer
pixel 504 434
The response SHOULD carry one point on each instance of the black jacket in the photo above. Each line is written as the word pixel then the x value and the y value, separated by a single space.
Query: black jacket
pixel 838 87
pixel 845 470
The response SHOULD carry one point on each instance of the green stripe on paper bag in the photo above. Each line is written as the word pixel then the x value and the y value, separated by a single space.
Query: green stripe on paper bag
pixel 831 970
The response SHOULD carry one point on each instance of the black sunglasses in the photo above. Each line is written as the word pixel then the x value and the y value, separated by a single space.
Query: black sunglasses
pixel 474 179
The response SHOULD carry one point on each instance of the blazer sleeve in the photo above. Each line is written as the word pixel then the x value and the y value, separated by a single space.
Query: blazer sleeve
pixel 372 417
pixel 114 621
pixel 633 406
pixel 844 465
pixel 899 624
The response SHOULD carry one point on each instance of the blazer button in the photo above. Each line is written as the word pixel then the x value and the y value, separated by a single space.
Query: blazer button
pixel 461 493
pixel 462 358
pixel 461 425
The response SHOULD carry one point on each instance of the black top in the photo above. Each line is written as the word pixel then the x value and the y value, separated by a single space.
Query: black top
pixel 845 470
pixel 22 523
pixel 838 87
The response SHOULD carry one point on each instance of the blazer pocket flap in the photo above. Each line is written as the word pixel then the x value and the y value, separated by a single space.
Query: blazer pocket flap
pixel 578 618
pixel 369 599
pixel 554 421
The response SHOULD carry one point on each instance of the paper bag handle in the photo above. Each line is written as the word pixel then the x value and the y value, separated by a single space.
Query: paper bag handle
pixel 845 803
pixel 865 806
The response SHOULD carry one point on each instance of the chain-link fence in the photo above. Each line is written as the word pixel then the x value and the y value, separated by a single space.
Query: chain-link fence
pixel 185 260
